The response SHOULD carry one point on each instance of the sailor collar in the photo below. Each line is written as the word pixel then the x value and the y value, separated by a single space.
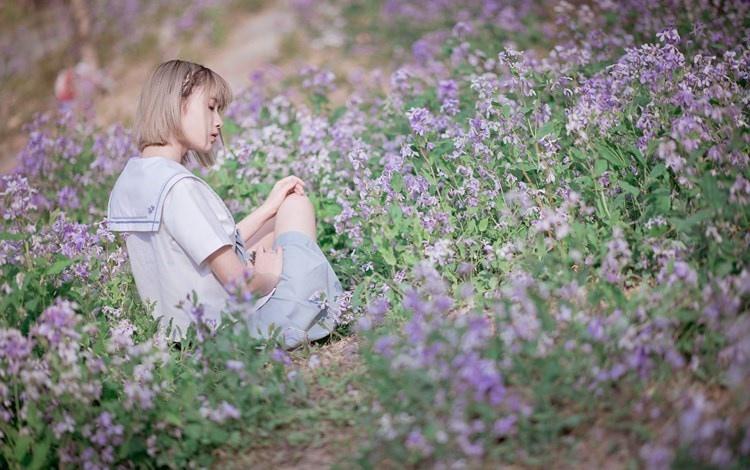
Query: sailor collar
pixel 135 203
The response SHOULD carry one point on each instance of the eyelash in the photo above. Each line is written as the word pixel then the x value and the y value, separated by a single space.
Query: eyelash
pixel 212 108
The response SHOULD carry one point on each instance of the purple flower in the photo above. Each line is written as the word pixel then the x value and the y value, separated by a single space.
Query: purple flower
pixel 280 356
pixel 235 366
pixel 384 345
pixel 505 426
pixel 595 329
pixel 656 457
pixel 669 36
pixel 617 257
pixel 420 120
pixel 317 80
pixel 739 193
pixel 139 395
pixel 448 96
pixel 57 322
pixel 14 349
pixel 417 442
pixel 17 196
pixel 229 411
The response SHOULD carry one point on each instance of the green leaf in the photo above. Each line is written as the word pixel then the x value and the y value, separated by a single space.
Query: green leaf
pixel 40 453
pixel 638 155
pixel 629 188
pixel 329 210
pixel 658 170
pixel 219 435
pixel 685 224
pixel 395 212
pixel 711 192
pixel 230 128
pixel 23 442
pixel 337 113
pixel 12 236
pixel 548 128
pixel 173 419
pixel 357 295
pixel 58 266
pixel 660 201
pixel 388 256
pixel 610 156
pixel 600 166
pixel 193 431
pixel 578 155
pixel 483 224
pixel 397 182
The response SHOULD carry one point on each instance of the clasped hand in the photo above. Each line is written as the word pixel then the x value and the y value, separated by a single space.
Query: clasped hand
pixel 284 187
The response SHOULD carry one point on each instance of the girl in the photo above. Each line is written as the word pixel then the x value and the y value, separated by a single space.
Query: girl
pixel 181 237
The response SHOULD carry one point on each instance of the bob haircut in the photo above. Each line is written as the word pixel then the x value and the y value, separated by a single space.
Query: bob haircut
pixel 161 101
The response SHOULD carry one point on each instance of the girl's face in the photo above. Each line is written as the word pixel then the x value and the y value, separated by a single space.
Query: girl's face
pixel 200 120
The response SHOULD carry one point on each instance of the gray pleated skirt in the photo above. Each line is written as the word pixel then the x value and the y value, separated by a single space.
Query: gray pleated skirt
pixel 304 304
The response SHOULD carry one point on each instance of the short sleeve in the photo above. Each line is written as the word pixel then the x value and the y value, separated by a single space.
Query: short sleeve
pixel 195 219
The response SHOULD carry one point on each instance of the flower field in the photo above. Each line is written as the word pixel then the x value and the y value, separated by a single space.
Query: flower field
pixel 540 216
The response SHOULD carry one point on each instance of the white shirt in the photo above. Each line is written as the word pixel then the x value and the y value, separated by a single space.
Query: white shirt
pixel 168 259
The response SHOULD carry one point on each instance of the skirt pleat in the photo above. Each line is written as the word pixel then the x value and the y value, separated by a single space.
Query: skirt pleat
pixel 304 304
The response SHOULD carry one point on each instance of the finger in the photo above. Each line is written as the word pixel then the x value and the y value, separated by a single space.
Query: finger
pixel 296 179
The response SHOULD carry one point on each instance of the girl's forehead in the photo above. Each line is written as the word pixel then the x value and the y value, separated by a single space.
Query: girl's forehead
pixel 202 92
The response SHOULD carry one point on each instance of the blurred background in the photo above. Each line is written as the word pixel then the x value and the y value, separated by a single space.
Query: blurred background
pixel 93 55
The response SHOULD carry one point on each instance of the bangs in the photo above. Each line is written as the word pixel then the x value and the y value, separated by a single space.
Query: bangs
pixel 218 88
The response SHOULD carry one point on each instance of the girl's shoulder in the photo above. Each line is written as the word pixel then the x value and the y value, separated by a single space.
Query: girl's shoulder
pixel 196 186
pixel 197 193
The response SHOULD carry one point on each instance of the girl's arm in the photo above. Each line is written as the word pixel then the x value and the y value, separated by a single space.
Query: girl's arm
pixel 227 267
pixel 254 221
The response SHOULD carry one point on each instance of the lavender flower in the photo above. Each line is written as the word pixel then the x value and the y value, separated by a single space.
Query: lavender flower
pixel 420 120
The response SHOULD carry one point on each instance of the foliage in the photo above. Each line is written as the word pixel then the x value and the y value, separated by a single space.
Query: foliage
pixel 541 220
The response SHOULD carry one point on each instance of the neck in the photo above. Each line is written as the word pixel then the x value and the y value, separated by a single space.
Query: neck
pixel 173 152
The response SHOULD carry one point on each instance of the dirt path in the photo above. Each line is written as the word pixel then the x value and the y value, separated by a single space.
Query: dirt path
pixel 253 39
pixel 325 432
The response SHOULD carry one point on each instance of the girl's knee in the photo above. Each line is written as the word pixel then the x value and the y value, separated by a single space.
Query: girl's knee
pixel 296 202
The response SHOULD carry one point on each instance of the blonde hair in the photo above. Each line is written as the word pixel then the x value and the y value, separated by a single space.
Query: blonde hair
pixel 165 92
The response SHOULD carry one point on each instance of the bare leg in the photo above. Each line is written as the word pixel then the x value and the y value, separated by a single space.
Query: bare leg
pixel 296 214
pixel 264 237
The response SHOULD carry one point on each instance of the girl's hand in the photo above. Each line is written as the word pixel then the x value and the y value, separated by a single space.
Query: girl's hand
pixel 280 190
